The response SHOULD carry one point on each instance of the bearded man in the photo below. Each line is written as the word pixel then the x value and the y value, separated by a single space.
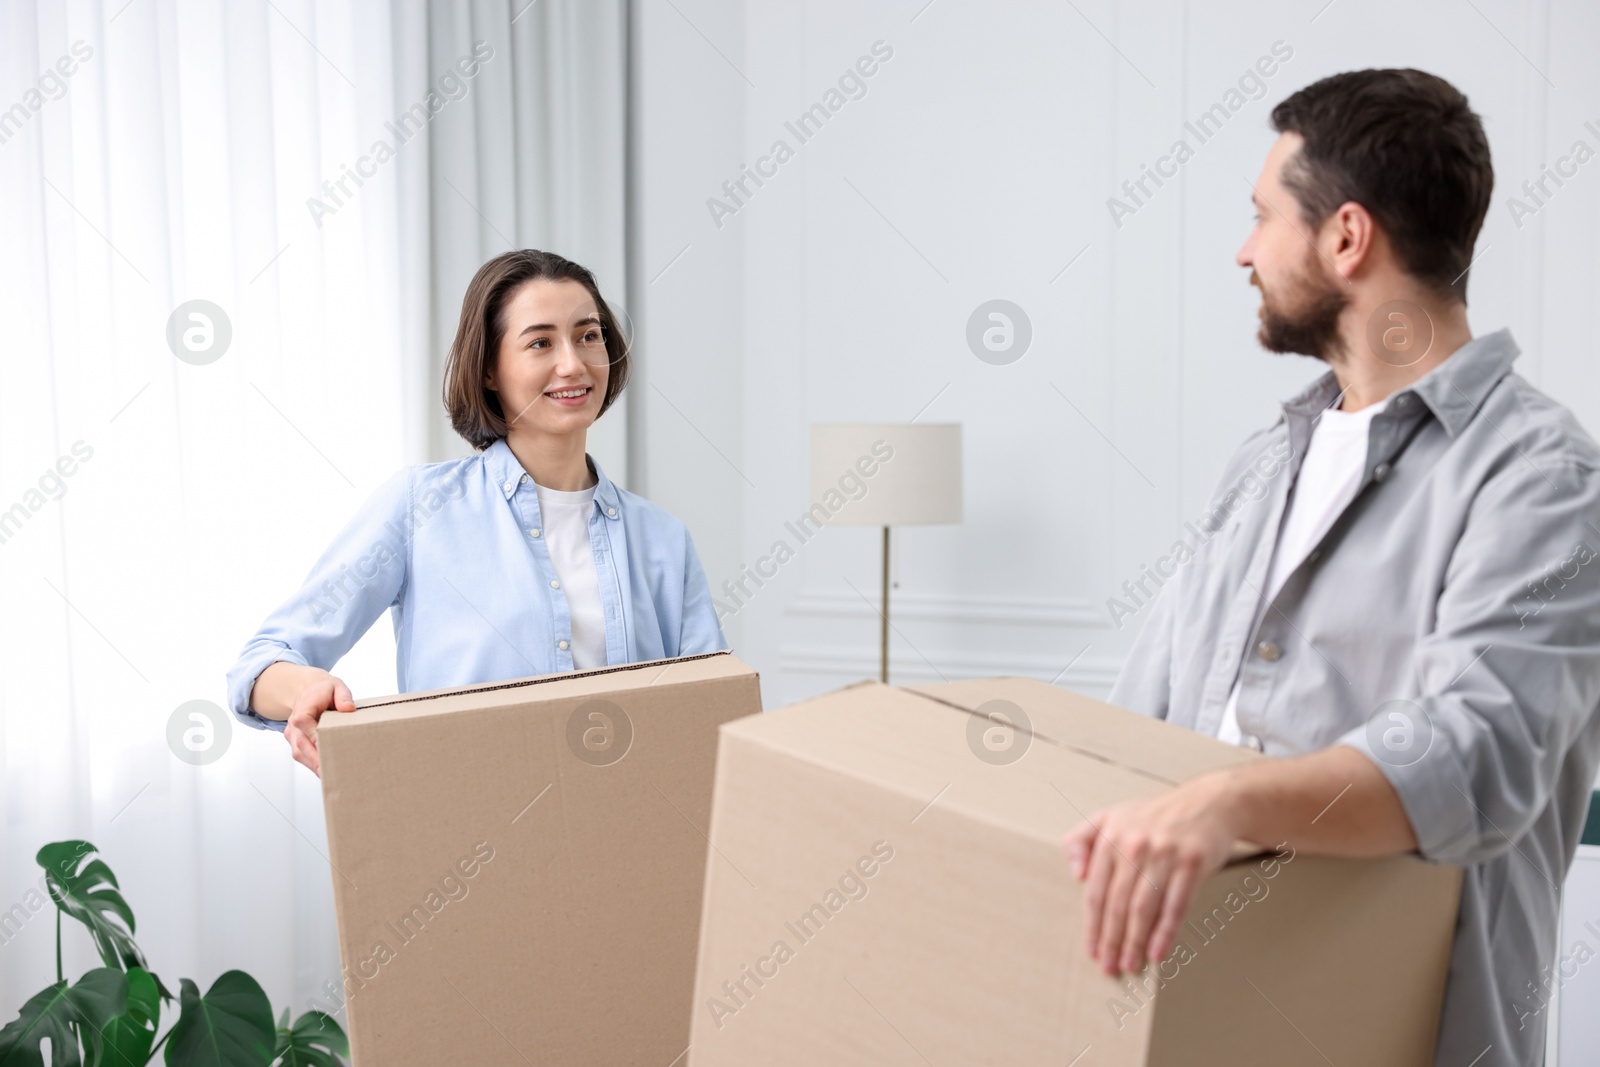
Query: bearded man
pixel 1410 618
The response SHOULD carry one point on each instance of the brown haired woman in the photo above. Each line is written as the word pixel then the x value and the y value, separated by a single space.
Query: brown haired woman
pixel 523 559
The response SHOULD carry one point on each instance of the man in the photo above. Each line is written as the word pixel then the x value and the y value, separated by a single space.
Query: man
pixel 1410 617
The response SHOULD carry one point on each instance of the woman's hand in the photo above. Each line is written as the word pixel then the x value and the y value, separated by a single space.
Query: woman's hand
pixel 296 696
pixel 317 695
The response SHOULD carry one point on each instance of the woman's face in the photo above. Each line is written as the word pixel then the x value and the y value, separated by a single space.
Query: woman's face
pixel 551 368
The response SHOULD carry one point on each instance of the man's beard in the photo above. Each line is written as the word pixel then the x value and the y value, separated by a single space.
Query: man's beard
pixel 1309 324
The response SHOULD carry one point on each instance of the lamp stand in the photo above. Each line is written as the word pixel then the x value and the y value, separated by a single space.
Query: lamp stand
pixel 883 629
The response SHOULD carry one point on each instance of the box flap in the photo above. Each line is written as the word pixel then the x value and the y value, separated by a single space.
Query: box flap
pixel 1094 728
pixel 560 686
pixel 881 734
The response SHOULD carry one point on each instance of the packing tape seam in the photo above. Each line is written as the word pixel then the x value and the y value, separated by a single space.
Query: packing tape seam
pixel 1050 740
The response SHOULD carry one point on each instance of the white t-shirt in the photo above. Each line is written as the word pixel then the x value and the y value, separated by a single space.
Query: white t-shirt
pixel 566 535
pixel 1327 483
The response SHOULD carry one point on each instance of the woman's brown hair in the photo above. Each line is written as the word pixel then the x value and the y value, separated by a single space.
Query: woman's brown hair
pixel 474 409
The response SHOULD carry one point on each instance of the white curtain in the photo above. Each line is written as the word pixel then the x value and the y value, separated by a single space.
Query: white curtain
pixel 159 493
pixel 536 159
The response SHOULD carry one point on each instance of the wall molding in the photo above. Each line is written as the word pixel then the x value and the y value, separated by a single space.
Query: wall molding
pixel 1089 675
pixel 1072 612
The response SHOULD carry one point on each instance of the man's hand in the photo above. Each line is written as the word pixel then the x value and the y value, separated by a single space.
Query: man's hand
pixel 1142 861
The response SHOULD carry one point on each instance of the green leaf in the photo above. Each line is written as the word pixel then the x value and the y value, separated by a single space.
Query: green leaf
pixel 100 996
pixel 90 894
pixel 316 1040
pixel 126 1040
pixel 231 1026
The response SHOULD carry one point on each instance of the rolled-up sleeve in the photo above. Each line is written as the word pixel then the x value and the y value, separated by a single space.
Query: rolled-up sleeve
pixel 1510 672
pixel 699 630
pixel 360 575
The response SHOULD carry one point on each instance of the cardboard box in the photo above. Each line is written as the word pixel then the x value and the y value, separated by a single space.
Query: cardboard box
pixel 518 866
pixel 896 892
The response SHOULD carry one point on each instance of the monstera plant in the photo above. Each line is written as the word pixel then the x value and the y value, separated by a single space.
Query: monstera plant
pixel 112 1015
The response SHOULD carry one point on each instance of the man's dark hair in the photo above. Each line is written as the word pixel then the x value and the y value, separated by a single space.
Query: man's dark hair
pixel 1405 145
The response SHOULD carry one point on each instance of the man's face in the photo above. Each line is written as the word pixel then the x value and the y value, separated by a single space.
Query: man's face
pixel 1301 296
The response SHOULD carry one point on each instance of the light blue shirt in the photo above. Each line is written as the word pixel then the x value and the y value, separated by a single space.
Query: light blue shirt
pixel 456 552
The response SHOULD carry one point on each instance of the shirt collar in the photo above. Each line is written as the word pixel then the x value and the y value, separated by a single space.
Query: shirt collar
pixel 1453 391
pixel 506 473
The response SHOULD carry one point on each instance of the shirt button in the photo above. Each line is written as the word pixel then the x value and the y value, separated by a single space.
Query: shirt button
pixel 507 487
pixel 562 645
pixel 534 532
pixel 1314 555
pixel 1380 472
pixel 554 584
pixel 1269 651
pixel 1403 401
pixel 524 479
pixel 1252 742
pixel 612 512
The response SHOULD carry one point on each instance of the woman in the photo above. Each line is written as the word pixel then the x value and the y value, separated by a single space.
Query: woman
pixel 524 559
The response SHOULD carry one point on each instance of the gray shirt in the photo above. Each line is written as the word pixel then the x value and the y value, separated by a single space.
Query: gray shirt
pixel 1447 626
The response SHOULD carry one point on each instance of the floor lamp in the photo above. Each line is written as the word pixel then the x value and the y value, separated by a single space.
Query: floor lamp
pixel 886 474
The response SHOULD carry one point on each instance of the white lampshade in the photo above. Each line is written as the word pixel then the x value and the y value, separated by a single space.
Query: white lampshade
pixel 887 474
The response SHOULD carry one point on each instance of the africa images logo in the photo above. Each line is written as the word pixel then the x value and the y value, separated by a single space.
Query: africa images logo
pixel 851 885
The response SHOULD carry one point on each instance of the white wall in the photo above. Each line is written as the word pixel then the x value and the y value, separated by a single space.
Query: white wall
pixel 977 166
pixel 688 414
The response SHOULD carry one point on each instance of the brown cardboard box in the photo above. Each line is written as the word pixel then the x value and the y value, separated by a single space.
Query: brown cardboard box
pixel 895 892
pixel 518 866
